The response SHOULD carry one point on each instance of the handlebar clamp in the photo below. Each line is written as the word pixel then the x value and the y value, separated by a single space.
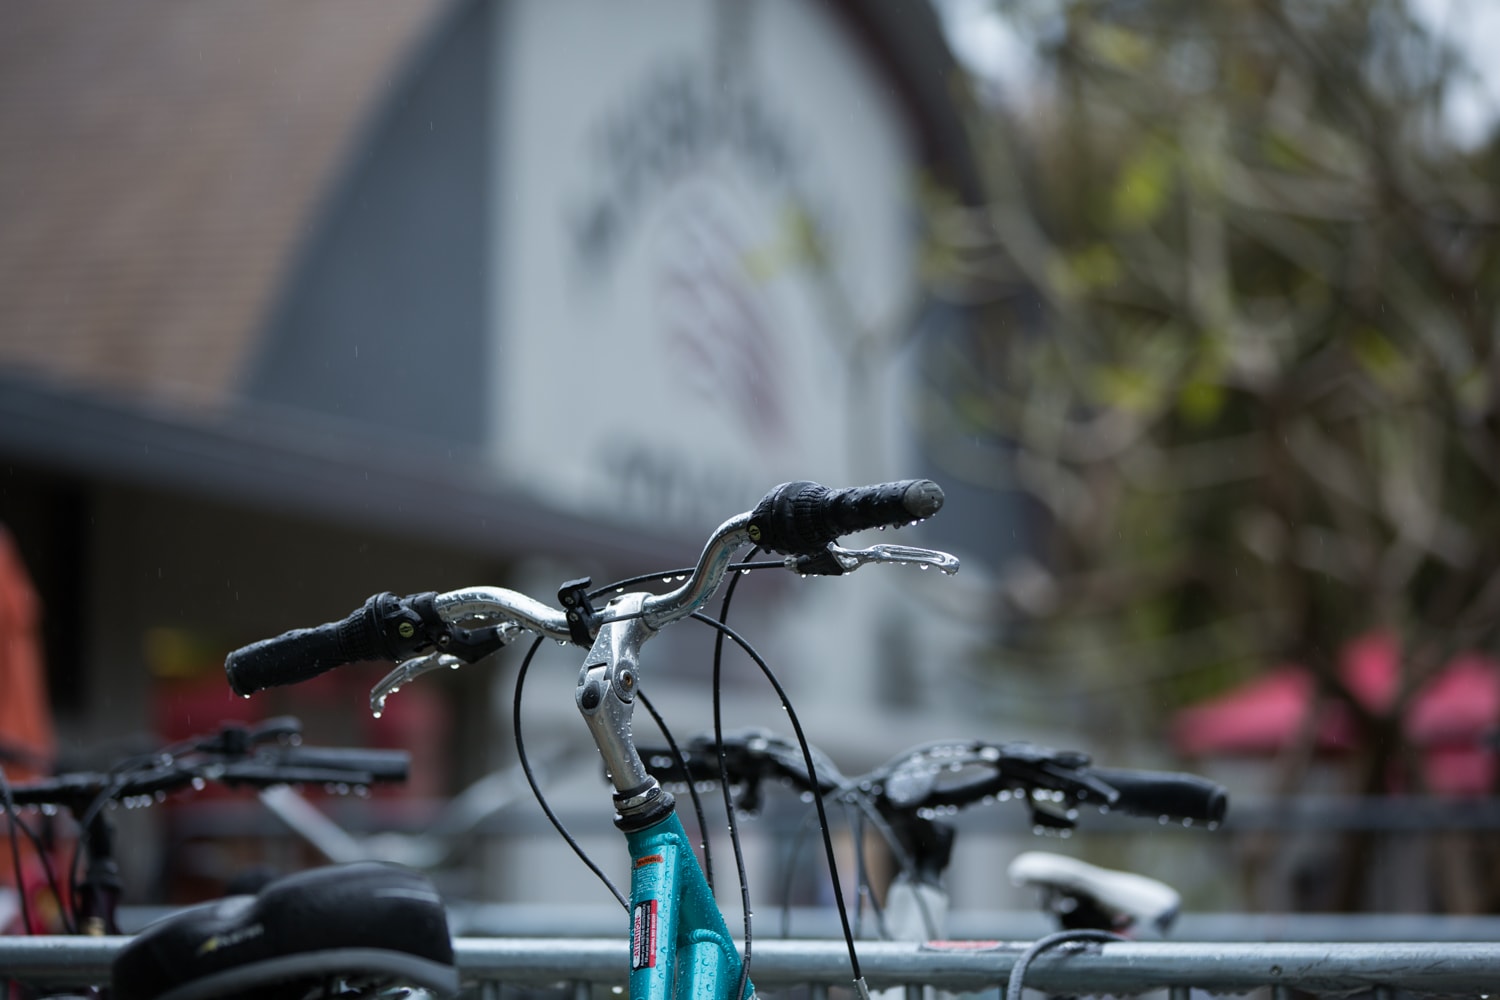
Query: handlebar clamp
pixel 583 620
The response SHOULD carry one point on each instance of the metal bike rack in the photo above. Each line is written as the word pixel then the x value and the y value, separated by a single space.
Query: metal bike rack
pixel 579 966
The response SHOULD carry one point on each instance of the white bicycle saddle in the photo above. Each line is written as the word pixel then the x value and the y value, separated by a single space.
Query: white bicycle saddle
pixel 1085 895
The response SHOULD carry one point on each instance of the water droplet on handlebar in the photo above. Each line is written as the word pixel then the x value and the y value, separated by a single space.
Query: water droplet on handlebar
pixel 199 784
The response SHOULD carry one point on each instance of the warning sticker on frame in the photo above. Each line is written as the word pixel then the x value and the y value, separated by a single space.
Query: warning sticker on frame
pixel 643 935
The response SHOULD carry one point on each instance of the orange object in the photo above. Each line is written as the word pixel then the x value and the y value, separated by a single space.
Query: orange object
pixel 25 714
pixel 26 734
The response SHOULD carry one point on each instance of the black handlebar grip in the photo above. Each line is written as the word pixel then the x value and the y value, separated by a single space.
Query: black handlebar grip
pixel 1165 793
pixel 304 653
pixel 380 764
pixel 801 518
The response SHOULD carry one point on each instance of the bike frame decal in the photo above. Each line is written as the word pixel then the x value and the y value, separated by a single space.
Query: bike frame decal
pixel 643 935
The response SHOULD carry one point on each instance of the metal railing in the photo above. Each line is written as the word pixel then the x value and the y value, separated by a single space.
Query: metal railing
pixel 1388 969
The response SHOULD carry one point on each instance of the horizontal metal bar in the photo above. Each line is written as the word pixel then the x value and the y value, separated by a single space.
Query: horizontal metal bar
pixel 1128 967
pixel 604 920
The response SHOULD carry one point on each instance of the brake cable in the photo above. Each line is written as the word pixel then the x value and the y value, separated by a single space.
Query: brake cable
pixel 536 789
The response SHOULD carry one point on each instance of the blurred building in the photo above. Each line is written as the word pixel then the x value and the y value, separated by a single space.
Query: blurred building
pixel 302 301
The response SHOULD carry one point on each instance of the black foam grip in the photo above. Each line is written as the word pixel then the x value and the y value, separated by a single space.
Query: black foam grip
pixel 801 518
pixel 1166 793
pixel 304 653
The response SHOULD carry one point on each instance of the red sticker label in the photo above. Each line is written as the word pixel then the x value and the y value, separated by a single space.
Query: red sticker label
pixel 643 935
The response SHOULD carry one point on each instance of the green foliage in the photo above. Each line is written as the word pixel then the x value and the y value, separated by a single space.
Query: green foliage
pixel 1255 386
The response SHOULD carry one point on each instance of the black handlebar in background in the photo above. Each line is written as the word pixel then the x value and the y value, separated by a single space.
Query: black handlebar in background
pixel 915 784
pixel 802 518
pixel 1165 793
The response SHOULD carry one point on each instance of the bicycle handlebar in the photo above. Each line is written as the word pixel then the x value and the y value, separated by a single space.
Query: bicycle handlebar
pixel 938 776
pixel 234 755
pixel 801 519
pixel 1166 794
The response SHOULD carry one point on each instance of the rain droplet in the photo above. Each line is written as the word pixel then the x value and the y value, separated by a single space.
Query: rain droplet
pixel 376 713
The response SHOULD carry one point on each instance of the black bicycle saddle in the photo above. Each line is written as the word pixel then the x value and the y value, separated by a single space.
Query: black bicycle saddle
pixel 343 927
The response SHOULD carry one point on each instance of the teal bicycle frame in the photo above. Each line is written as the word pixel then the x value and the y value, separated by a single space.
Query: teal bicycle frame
pixel 679 943
pixel 680 946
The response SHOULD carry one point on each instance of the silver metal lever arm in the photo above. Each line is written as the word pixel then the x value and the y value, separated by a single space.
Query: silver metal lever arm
pixel 406 671
pixel 852 559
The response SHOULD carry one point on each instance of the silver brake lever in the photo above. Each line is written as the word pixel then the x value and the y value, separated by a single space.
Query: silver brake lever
pixel 409 670
pixel 406 672
pixel 852 559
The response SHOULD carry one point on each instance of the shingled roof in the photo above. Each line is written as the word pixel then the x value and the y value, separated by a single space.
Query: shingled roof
pixel 160 161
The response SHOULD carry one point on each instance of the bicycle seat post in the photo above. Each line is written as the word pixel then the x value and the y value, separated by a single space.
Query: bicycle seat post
pixel 607 683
